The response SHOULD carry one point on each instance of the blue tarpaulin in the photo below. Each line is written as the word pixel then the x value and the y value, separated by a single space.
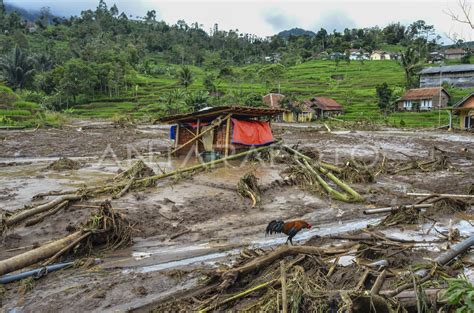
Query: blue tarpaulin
pixel 173 132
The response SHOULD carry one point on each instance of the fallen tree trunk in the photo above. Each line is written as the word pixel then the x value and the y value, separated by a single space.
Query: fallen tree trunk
pixel 325 165
pixel 447 195
pixel 394 209
pixel 34 256
pixel 15 219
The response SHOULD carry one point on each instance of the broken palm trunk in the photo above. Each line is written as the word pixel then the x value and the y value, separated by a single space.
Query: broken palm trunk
pixel 313 174
pixel 248 187
pixel 105 228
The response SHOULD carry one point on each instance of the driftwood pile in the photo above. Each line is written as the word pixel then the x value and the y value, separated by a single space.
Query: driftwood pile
pixel 311 279
pixel 321 177
pixel 105 228
pixel 437 160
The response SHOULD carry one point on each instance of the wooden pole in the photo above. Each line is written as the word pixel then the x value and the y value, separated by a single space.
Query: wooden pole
pixel 197 141
pixel 227 136
pixel 284 299
pixel 176 141
pixel 447 195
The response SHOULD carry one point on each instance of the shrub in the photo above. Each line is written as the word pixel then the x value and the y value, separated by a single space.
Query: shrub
pixel 26 105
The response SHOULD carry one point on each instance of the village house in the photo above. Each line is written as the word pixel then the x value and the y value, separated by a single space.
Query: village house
pixel 461 75
pixel 273 101
pixel 423 99
pixel 378 55
pixel 325 107
pixel 454 53
pixel 465 109
pixel 435 56
pixel 357 54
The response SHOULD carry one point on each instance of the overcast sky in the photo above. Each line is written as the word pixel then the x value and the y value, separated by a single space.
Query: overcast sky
pixel 266 18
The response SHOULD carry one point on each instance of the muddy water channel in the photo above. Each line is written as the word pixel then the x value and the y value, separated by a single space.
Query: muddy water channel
pixel 189 223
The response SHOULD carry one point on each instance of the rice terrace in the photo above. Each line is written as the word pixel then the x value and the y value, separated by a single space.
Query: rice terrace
pixel 265 158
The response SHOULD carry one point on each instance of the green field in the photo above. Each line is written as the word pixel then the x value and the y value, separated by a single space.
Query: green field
pixel 355 90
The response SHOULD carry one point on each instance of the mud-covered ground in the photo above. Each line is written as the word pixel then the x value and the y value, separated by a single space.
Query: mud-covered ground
pixel 213 220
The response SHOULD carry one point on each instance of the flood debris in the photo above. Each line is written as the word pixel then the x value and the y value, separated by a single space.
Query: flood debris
pixel 437 160
pixel 248 187
pixel 64 164
pixel 312 280
pixel 312 174
pixel 105 228
pixel 428 208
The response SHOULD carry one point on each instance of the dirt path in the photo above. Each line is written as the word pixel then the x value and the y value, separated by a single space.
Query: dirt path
pixel 215 221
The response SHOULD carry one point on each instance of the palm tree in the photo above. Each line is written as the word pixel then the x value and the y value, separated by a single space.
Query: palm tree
pixel 197 100
pixel 412 62
pixel 185 76
pixel 17 69
pixel 173 101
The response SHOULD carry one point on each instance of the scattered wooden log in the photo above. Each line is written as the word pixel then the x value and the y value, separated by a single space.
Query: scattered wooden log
pixel 23 215
pixel 447 195
pixel 53 211
pixel 378 283
pixel 34 256
pixel 394 209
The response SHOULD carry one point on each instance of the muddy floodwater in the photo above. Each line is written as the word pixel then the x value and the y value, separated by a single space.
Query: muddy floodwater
pixel 213 221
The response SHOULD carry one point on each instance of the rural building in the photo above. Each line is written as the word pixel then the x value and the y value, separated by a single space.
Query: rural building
pixel 454 53
pixel 273 100
pixel 357 54
pixel 465 108
pixel 461 75
pixel 423 99
pixel 378 55
pixel 435 57
pixel 220 130
pixel 325 107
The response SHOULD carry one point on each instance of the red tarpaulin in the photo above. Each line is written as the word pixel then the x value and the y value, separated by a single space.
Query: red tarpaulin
pixel 251 133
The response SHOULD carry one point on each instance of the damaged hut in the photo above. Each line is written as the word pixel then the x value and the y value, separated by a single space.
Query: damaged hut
pixel 217 131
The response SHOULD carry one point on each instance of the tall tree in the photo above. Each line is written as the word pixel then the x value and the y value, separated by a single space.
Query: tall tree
pixel 17 68
pixel 185 77
pixel 384 95
pixel 411 62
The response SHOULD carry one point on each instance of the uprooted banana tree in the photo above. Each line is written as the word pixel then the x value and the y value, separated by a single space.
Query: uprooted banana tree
pixel 248 187
pixel 321 176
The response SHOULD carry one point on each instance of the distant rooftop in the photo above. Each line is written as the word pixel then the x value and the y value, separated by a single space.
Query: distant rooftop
pixel 448 69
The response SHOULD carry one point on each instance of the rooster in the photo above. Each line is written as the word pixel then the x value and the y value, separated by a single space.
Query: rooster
pixel 288 228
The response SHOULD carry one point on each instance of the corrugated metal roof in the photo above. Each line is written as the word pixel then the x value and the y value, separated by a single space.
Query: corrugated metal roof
pixel 448 69
pixel 214 112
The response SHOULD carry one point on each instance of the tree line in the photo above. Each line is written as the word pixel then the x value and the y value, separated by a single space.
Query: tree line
pixel 101 52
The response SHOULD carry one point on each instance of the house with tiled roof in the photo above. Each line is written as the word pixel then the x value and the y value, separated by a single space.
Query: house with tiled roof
pixel 273 100
pixel 454 53
pixel 325 107
pixel 423 99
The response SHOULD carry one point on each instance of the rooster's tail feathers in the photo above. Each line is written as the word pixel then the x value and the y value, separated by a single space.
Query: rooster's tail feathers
pixel 275 226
